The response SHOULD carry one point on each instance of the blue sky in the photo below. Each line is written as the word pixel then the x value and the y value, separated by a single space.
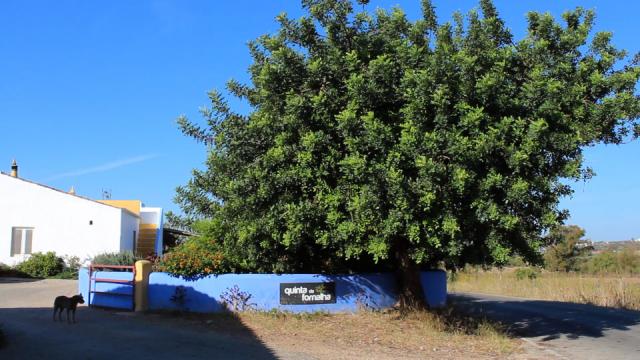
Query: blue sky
pixel 90 90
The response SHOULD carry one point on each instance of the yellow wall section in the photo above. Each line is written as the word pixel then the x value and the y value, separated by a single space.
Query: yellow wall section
pixel 147 239
pixel 131 205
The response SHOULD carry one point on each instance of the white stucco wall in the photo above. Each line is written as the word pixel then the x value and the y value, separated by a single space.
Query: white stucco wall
pixel 150 215
pixel 128 224
pixel 66 224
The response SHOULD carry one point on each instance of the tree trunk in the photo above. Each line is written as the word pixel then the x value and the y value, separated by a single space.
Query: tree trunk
pixel 410 292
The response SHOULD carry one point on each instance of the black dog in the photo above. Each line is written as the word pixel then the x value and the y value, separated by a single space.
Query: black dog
pixel 69 303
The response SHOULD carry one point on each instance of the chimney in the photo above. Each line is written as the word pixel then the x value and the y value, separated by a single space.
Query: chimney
pixel 14 169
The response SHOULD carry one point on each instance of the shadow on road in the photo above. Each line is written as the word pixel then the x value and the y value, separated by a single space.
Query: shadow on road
pixel 12 280
pixel 548 319
pixel 31 333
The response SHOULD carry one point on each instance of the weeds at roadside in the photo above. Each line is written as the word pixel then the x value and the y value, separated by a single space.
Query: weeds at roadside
pixel 413 331
pixel 615 291
pixel 444 331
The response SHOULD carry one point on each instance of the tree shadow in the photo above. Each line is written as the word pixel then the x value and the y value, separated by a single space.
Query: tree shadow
pixel 547 319
pixel 103 333
pixel 100 334
pixel 186 299
pixel 369 291
pixel 11 280
pixel 379 290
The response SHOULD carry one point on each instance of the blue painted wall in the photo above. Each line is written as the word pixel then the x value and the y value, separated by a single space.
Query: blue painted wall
pixel 375 291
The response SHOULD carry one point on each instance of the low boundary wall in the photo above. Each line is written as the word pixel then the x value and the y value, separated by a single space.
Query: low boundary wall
pixel 265 291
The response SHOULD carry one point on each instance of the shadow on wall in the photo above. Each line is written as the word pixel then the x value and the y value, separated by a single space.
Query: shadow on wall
pixel 185 298
pixel 30 333
pixel 262 292
pixel 373 291
pixel 259 291
pixel 549 319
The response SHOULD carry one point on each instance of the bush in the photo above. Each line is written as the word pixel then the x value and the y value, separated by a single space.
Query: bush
pixel 199 255
pixel 516 261
pixel 527 273
pixel 42 265
pixel 119 258
pixel 71 268
pixel 624 261
pixel 8 271
pixel 194 258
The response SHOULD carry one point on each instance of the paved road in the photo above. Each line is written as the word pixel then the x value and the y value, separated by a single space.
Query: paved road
pixel 562 330
pixel 26 318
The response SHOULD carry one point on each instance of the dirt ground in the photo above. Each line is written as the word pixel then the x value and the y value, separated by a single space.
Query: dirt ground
pixel 26 318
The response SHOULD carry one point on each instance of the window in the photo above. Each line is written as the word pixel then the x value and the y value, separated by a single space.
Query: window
pixel 21 240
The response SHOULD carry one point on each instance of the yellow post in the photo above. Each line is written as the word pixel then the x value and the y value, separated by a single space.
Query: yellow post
pixel 143 269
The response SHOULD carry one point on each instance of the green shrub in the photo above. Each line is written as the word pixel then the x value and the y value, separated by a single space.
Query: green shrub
pixel 199 255
pixel 196 257
pixel 42 265
pixel 452 276
pixel 527 273
pixel 623 261
pixel 8 271
pixel 66 275
pixel 71 268
pixel 516 261
pixel 118 258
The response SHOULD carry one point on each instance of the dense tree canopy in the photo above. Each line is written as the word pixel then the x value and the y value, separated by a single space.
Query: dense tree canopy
pixel 373 139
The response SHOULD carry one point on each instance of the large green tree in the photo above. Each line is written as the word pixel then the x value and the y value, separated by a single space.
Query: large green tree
pixel 373 140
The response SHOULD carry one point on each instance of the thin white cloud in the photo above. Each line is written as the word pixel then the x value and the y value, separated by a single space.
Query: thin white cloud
pixel 104 167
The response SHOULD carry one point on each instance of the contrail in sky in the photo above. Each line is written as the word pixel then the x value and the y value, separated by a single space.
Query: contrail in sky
pixel 104 167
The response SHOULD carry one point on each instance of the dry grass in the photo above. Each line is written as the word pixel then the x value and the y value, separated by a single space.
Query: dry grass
pixel 385 335
pixel 603 290
pixel 372 335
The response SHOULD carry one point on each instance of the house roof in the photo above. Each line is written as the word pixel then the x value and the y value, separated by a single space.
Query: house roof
pixel 68 194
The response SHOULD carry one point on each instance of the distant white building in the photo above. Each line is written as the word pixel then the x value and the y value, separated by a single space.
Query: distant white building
pixel 38 218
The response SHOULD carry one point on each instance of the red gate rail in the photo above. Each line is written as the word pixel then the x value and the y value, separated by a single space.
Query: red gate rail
pixel 94 268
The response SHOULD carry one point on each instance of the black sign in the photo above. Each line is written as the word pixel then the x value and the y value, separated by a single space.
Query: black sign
pixel 307 293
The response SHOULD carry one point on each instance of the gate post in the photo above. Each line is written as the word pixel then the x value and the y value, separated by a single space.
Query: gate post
pixel 143 269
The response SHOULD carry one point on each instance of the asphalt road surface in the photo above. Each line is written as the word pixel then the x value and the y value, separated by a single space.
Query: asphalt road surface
pixel 26 317
pixel 552 329
pixel 562 330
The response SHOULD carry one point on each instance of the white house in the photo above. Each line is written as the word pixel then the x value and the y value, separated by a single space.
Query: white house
pixel 38 218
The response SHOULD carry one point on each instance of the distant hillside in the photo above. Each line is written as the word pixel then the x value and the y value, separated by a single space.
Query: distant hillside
pixel 599 246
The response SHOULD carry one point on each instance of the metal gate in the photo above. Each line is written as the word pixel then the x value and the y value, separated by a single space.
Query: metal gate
pixel 96 289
